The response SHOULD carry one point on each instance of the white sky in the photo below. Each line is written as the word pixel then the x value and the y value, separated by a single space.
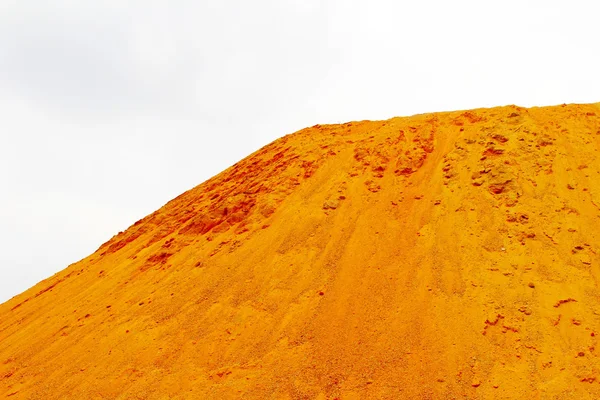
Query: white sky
pixel 110 109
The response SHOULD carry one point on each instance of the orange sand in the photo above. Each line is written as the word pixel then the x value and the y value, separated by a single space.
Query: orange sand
pixel 441 256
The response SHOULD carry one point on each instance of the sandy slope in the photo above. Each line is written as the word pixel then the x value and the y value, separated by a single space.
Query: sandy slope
pixel 441 256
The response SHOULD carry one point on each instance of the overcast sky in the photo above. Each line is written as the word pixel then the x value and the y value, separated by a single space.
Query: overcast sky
pixel 108 109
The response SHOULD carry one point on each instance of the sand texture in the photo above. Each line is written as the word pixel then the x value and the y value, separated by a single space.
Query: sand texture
pixel 440 256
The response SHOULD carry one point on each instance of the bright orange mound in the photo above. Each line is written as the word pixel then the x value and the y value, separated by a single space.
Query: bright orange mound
pixel 439 256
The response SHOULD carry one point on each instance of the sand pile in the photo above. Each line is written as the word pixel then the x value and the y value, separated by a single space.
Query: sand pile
pixel 440 256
